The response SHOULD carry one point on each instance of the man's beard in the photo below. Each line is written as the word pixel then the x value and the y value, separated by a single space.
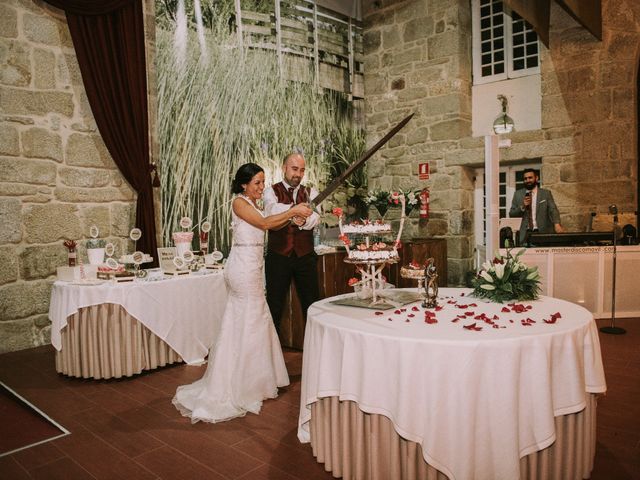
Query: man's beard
pixel 295 181
pixel 530 186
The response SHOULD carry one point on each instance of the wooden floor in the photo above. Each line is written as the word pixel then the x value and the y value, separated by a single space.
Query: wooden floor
pixel 129 429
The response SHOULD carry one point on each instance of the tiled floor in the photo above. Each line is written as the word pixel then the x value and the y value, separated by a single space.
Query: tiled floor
pixel 129 429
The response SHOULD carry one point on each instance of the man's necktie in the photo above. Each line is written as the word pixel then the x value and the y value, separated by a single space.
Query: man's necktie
pixel 530 217
pixel 291 189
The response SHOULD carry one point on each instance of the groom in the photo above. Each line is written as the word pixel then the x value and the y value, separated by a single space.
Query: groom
pixel 290 251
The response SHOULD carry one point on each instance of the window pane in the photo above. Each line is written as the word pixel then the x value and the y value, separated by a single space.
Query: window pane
pixel 486 47
pixel 499 68
pixel 502 177
pixel 485 23
pixel 532 62
pixel 503 189
pixel 498 44
pixel 486 71
pixel 518 39
pixel 486 59
pixel 518 52
pixel 532 49
pixel 532 37
pixel 518 64
pixel 485 11
pixel 498 31
pixel 498 56
pixel 497 6
pixel 485 35
pixel 517 27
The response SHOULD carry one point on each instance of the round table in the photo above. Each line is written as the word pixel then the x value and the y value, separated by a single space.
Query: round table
pixel 476 385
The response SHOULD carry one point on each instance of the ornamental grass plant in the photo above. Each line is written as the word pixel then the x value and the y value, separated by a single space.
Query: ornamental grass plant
pixel 506 278
pixel 221 105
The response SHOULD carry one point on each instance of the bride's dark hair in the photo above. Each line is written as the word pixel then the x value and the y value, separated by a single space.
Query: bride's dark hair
pixel 244 175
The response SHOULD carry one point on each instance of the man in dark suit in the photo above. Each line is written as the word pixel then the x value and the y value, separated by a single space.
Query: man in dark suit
pixel 536 207
pixel 290 252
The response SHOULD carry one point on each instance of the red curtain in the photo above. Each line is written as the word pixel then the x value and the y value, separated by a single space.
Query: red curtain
pixel 108 37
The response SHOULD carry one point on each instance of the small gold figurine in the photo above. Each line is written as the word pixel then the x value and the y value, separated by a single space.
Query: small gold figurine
pixel 430 285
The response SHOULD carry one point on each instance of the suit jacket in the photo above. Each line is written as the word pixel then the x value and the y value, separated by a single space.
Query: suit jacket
pixel 547 214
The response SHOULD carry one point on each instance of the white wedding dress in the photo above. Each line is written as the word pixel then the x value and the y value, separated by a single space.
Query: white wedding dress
pixel 246 364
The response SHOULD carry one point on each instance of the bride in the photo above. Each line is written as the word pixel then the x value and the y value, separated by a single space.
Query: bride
pixel 246 364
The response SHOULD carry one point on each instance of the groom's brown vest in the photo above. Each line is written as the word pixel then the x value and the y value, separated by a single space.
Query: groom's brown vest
pixel 290 238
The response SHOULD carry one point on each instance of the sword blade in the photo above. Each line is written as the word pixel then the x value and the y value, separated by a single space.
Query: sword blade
pixel 358 163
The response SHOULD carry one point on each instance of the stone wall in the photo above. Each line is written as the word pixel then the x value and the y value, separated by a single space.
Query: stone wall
pixel 418 59
pixel 56 176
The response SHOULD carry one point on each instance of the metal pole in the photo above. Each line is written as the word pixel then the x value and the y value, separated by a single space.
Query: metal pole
pixel 613 329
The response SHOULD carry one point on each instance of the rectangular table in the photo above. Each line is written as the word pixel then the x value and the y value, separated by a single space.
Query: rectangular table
pixel 475 403
pixel 110 330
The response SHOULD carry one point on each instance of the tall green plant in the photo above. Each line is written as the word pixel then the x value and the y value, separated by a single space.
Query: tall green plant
pixel 218 111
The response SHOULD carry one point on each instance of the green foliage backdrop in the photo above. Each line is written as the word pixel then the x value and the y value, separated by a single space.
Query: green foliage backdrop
pixel 230 106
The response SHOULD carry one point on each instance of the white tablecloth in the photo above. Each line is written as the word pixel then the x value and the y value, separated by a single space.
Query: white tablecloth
pixel 476 401
pixel 185 311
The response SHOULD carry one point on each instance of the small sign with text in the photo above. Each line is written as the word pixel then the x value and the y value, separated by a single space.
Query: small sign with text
pixel 423 171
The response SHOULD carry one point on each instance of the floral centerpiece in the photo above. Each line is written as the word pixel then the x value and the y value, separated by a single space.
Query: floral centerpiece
pixel 411 200
pixel 379 199
pixel 506 278
pixel 384 200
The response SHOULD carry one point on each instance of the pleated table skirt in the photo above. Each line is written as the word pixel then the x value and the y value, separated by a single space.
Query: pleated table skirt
pixel 355 445
pixel 104 341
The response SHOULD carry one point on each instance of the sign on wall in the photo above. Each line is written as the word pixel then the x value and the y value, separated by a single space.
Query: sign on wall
pixel 423 171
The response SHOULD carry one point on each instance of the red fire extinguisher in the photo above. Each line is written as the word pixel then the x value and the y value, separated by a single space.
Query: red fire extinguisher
pixel 424 203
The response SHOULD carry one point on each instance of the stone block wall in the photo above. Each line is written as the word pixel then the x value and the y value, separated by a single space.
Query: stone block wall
pixel 56 176
pixel 418 59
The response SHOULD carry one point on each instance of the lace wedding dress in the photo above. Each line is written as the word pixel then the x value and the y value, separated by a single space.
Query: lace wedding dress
pixel 246 364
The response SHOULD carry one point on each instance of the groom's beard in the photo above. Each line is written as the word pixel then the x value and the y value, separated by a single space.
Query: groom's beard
pixel 530 186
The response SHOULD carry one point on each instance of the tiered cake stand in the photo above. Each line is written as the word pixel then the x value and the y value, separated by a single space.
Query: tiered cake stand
pixel 371 281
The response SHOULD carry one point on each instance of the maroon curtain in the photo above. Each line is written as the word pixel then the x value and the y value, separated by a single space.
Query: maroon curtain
pixel 108 37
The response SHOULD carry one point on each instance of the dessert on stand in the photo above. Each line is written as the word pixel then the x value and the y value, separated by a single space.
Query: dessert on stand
pixel 370 246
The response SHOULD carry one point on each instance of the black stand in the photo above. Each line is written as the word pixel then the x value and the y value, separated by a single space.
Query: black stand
pixel 612 329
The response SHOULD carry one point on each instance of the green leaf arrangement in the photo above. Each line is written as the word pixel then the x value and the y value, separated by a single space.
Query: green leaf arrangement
pixel 506 278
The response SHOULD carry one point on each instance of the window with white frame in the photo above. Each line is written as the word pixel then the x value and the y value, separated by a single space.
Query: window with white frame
pixel 504 44
pixel 510 179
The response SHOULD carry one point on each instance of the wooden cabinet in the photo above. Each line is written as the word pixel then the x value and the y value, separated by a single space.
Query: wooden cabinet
pixel 333 275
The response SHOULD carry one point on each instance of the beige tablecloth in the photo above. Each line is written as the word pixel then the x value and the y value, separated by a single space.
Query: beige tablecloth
pixel 104 341
pixel 355 445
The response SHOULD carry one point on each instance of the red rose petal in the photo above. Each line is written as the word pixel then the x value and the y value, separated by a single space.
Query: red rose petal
pixel 415 309
pixel 505 310
pixel 438 308
pixel 469 314
pixel 379 313
pixel 397 312
pixel 411 315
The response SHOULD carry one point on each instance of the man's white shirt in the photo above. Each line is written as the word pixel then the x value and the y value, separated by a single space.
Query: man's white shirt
pixel 272 207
